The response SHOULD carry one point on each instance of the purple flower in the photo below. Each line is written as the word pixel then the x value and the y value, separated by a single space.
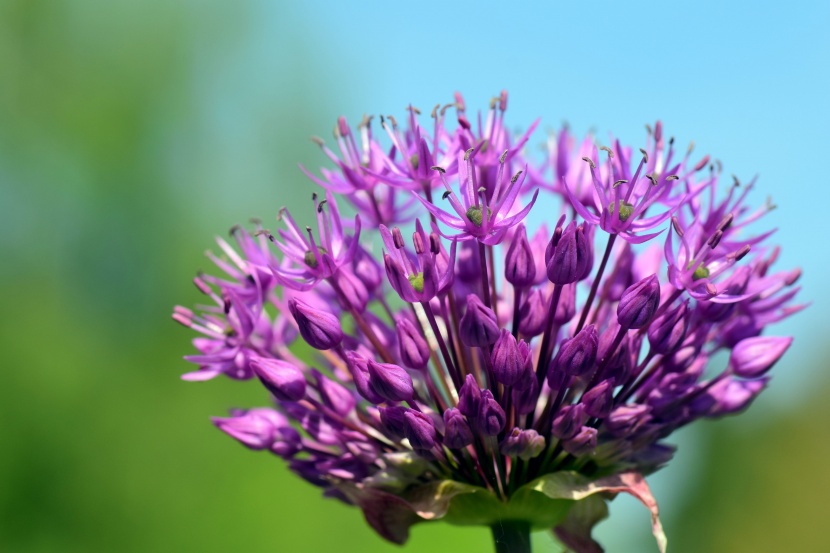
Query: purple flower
pixel 532 359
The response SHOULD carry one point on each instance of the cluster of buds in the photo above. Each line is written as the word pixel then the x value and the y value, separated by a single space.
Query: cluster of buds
pixel 475 358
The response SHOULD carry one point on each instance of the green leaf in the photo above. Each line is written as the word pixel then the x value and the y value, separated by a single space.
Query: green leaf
pixel 570 485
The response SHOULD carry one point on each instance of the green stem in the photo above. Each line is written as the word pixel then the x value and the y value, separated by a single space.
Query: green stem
pixel 512 536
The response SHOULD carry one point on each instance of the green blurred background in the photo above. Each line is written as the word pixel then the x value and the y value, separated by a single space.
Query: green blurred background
pixel 130 134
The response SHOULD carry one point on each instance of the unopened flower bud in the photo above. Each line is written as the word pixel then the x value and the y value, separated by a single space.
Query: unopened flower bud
pixel 389 381
pixel 393 421
pixel 525 444
pixel 568 421
pixel 525 400
pixel 583 443
pixel 319 329
pixel 576 356
pixel 668 331
pixel 251 430
pixel 566 308
pixel 413 346
pixel 282 379
pixel 457 433
pixel 478 327
pixel 532 314
pixel 491 417
pixel 627 419
pixel 509 361
pixel 359 369
pixel 519 267
pixel 599 400
pixel 571 258
pixel 334 395
pixel 419 430
pixel 638 303
pixel 753 357
pixel 469 397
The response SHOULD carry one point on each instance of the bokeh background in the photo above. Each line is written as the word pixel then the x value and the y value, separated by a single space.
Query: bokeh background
pixel 131 133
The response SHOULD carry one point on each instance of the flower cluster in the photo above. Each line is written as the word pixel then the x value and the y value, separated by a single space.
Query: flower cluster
pixel 456 354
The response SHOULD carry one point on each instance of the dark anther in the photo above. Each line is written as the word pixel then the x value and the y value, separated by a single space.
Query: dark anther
pixel 397 238
pixel 434 244
pixel 317 140
pixel 607 149
pixel 619 182
pixel 652 178
pixel 675 223
pixel 320 206
pixel 589 161
pixel 645 155
pixel 439 169
pixel 515 177
pixel 503 157
pixel 672 177
pixel 467 154
pixel 446 195
pixel 715 239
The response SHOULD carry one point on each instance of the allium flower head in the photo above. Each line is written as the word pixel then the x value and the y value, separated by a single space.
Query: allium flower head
pixel 492 375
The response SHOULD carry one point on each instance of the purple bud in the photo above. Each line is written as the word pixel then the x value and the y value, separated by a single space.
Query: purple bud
pixel 491 417
pixel 525 444
pixel 638 303
pixel 393 421
pixel 568 421
pixel 367 269
pixel 390 382
pixel 251 430
pixel 532 314
pixel 599 400
pixel 353 290
pixel 334 395
pixel 287 442
pixel 509 361
pixel 413 346
pixel 583 443
pixel 469 397
pixel 359 368
pixel 606 340
pixel 478 327
pixel 627 419
pixel 566 308
pixel 282 379
pixel 753 357
pixel 319 329
pixel 457 433
pixel 419 430
pixel 571 258
pixel 668 331
pixel 468 268
pixel 519 267
pixel 729 396
pixel 525 400
pixel 576 356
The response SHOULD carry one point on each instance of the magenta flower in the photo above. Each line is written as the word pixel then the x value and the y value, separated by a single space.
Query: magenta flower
pixel 523 384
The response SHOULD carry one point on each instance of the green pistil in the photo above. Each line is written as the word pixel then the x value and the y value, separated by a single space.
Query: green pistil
pixel 417 282
pixel 475 216
pixel 700 272
pixel 414 160
pixel 626 209
pixel 310 259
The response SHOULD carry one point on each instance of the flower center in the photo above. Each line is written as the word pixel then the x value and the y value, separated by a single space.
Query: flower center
pixel 310 259
pixel 417 282
pixel 475 215
pixel 700 272
pixel 626 209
